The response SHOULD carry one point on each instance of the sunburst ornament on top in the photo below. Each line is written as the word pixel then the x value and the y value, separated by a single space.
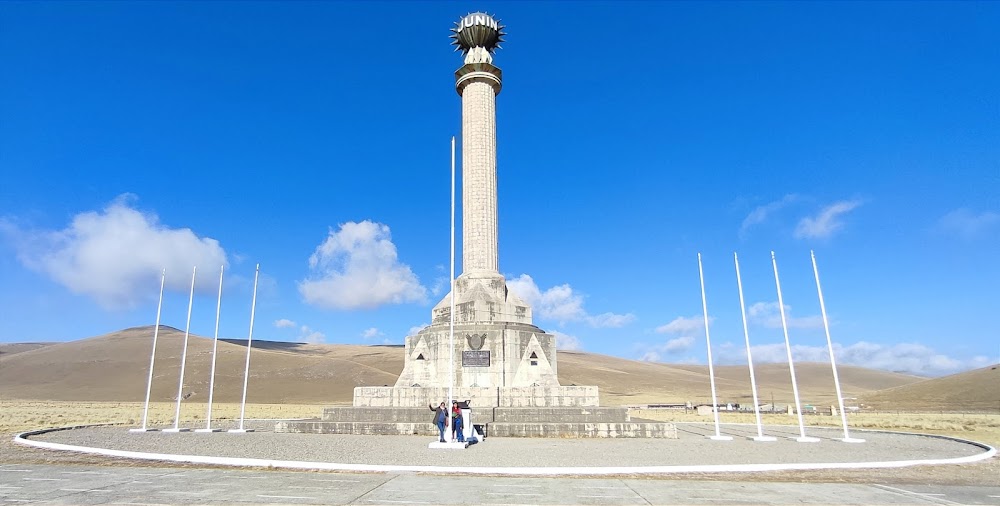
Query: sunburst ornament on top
pixel 477 29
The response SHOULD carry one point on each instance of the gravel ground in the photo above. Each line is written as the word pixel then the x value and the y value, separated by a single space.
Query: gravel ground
pixel 692 448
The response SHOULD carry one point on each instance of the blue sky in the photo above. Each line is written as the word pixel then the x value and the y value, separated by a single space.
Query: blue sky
pixel 313 139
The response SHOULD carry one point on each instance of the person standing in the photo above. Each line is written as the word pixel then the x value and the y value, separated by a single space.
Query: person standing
pixel 440 419
pixel 457 425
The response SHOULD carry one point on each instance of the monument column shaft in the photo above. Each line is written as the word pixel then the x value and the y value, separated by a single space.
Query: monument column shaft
pixel 479 178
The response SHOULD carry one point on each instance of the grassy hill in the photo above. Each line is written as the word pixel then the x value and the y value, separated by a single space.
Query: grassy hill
pixel 976 390
pixel 114 367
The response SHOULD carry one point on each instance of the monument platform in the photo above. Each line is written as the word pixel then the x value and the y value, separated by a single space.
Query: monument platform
pixel 562 422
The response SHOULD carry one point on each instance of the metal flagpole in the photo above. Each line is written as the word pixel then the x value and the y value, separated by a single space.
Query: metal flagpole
pixel 152 356
pixel 246 372
pixel 180 383
pixel 833 364
pixel 215 349
pixel 451 332
pixel 791 366
pixel 746 334
pixel 711 370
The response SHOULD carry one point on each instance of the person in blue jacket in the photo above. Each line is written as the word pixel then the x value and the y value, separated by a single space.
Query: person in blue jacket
pixel 440 419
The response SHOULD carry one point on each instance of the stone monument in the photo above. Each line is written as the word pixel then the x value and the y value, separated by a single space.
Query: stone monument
pixel 501 358
pixel 500 361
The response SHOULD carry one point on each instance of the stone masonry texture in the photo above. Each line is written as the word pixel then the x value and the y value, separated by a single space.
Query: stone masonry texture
pixel 479 178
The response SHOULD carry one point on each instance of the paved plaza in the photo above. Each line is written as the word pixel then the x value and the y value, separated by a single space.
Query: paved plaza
pixel 692 452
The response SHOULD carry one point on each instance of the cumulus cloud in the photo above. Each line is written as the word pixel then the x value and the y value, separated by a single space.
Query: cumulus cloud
pixel 415 329
pixel 761 213
pixel 561 304
pixel 372 333
pixel 827 222
pixel 567 342
pixel 909 358
pixel 968 224
pixel 308 335
pixel 682 325
pixel 678 345
pixel 357 267
pixel 768 314
pixel 684 328
pixel 610 320
pixel 284 324
pixel 115 255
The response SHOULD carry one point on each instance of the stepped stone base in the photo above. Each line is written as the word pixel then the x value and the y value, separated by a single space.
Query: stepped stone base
pixel 563 422
pixel 365 428
pixel 481 397
pixel 580 430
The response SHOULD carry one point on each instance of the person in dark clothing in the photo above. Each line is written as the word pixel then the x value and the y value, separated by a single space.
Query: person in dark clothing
pixel 456 428
pixel 440 419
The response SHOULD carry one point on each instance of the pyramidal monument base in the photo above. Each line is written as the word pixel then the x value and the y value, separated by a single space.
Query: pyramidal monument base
pixel 488 352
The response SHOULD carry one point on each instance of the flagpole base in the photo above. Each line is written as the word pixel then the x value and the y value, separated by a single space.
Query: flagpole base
pixel 851 440
pixel 143 430
pixel 720 438
pixel 806 439
pixel 208 430
pixel 177 429
pixel 763 438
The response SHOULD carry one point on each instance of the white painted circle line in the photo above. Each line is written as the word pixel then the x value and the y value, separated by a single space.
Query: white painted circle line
pixel 515 471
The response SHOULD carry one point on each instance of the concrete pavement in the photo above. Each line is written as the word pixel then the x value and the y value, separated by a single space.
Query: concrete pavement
pixel 87 485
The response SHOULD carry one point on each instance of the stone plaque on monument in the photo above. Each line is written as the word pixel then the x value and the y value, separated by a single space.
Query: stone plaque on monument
pixel 476 358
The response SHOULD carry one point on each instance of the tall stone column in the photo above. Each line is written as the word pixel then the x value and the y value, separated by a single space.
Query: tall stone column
pixel 479 83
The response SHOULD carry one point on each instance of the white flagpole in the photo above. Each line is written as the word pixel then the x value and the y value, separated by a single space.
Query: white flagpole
pixel 791 366
pixel 833 364
pixel 180 383
pixel 215 348
pixel 451 332
pixel 746 334
pixel 246 372
pixel 152 356
pixel 711 370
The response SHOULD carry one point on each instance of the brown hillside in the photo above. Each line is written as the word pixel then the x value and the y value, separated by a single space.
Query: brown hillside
pixel 12 348
pixel 977 390
pixel 630 382
pixel 114 367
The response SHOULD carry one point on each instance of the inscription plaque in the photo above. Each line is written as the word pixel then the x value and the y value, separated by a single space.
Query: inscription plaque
pixel 478 358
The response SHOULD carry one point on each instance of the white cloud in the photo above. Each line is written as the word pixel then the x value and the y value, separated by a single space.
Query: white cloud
pixel 683 325
pixel 678 345
pixel 357 267
pixel 967 224
pixel 768 315
pixel 562 305
pixel 284 324
pixel 824 224
pixel 415 329
pixel 761 213
pixel 371 333
pixel 610 320
pixel 649 356
pixel 903 357
pixel 115 255
pixel 311 336
pixel 567 342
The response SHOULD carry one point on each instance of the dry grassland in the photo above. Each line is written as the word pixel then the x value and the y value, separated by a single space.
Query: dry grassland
pixel 984 428
pixel 19 416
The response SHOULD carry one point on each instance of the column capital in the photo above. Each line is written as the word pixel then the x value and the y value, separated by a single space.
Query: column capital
pixel 478 72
